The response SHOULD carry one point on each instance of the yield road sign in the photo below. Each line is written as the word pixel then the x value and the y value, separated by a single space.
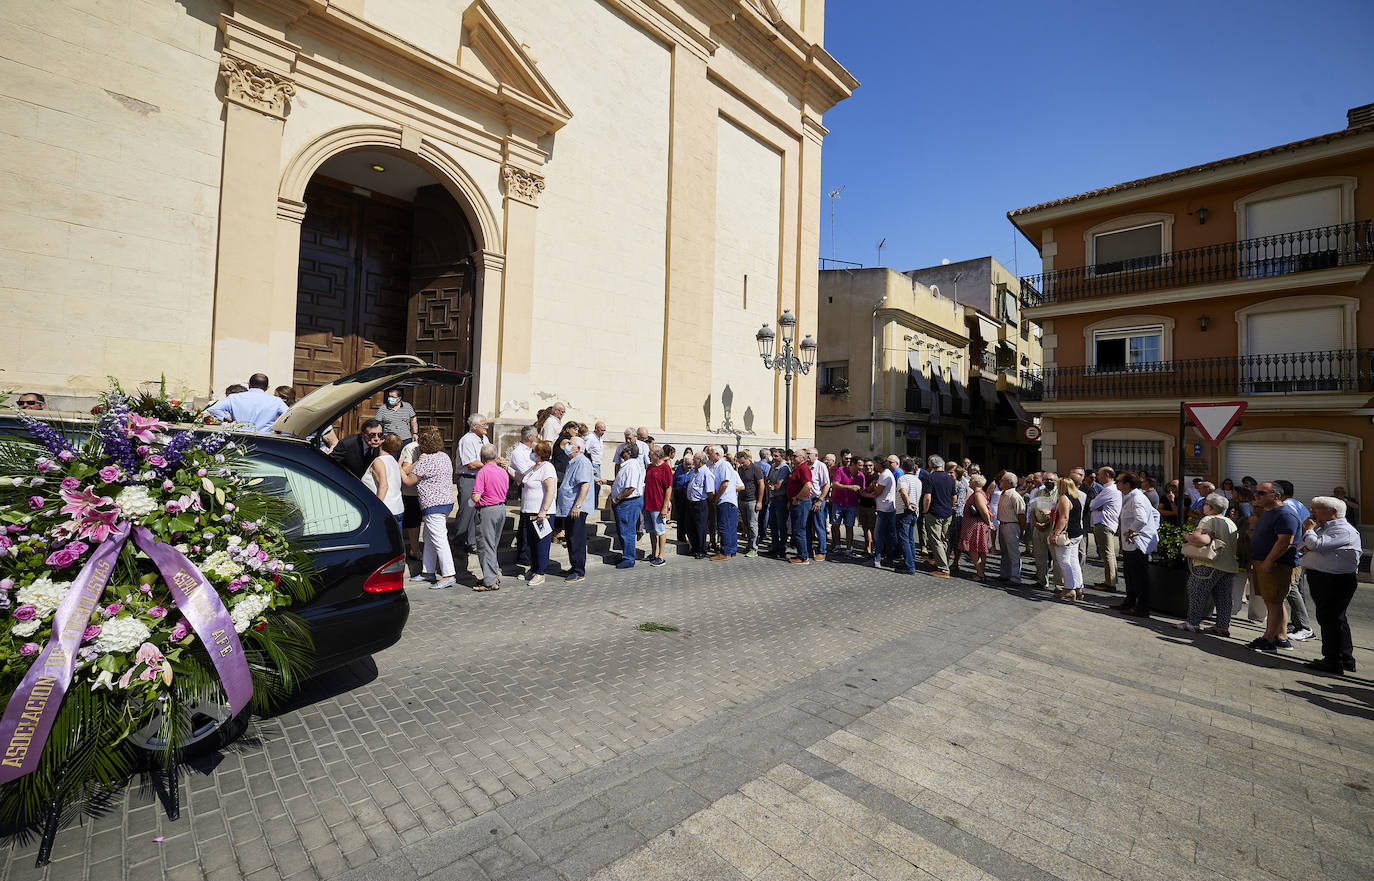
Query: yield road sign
pixel 1215 420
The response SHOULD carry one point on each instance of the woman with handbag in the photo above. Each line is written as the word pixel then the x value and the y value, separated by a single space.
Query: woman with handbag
pixel 1068 532
pixel 1211 553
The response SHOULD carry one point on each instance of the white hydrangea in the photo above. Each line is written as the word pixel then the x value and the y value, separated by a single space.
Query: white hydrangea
pixel 221 565
pixel 246 609
pixel 135 503
pixel 44 594
pixel 25 628
pixel 121 635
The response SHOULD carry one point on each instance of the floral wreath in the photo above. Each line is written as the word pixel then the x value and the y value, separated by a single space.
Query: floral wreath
pixel 142 570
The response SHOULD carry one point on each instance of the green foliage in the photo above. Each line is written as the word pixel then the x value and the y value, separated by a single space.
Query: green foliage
pixel 652 626
pixel 1171 541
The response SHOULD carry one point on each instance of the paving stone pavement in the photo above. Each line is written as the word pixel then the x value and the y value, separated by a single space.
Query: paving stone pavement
pixel 832 721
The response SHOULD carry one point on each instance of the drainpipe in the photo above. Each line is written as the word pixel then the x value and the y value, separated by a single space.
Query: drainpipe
pixel 873 380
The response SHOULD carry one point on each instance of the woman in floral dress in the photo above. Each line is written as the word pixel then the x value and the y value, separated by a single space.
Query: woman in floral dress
pixel 973 534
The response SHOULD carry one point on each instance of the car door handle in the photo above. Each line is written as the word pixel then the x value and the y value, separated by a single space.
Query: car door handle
pixel 333 548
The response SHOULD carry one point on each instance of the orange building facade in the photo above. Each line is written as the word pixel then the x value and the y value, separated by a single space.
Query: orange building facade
pixel 1245 279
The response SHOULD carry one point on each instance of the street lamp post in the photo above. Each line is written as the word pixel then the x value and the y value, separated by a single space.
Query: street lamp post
pixel 788 361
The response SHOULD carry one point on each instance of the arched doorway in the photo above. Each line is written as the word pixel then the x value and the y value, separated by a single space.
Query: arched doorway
pixel 385 268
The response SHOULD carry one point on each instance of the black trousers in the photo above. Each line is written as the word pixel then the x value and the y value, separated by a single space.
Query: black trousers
pixel 1332 595
pixel 575 525
pixel 1137 575
pixel 700 511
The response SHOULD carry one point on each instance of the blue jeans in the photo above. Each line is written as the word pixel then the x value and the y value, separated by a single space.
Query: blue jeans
pixel 884 542
pixel 627 514
pixel 777 512
pixel 801 512
pixel 906 539
pixel 821 521
pixel 727 517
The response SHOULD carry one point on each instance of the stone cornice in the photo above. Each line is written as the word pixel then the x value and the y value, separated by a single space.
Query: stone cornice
pixel 521 184
pixel 925 326
pixel 254 87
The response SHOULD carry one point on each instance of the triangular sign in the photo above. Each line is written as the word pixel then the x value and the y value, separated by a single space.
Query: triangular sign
pixel 1215 421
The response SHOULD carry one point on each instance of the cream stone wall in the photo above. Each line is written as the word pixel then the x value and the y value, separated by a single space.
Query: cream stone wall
pixel 748 243
pixel 111 174
pixel 601 227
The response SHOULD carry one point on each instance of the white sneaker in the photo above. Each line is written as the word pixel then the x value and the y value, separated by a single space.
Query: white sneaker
pixel 536 580
pixel 444 584
pixel 1300 635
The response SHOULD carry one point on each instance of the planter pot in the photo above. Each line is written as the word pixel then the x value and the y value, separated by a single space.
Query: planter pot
pixel 1168 590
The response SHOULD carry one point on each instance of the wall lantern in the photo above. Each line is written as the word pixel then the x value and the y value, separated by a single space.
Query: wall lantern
pixel 1202 321
pixel 1201 215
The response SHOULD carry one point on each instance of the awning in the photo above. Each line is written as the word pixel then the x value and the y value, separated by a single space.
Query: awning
pixel 988 329
pixel 961 398
pixel 1016 409
pixel 987 392
pixel 941 387
pixel 918 396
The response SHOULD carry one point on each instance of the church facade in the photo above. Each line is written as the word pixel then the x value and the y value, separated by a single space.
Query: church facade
pixel 593 201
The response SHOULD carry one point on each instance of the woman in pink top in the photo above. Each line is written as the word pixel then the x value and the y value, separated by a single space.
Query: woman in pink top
pixel 432 475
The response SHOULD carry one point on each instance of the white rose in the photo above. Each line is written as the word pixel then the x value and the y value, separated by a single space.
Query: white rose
pixel 25 628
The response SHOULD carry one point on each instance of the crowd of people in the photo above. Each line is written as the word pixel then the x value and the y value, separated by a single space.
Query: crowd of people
pixel 804 507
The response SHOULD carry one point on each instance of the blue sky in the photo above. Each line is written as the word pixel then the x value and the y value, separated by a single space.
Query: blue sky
pixel 968 110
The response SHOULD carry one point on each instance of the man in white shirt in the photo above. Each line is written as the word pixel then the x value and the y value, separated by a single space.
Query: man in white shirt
pixel 1011 518
pixel 554 424
pixel 884 493
pixel 521 461
pixel 1139 527
pixel 1331 559
pixel 727 504
pixel 465 474
pixel 640 446
pixel 627 501
pixel 1106 514
pixel 820 500
pixel 593 447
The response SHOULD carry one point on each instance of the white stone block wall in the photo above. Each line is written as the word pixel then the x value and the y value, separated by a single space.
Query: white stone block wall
pixel 110 129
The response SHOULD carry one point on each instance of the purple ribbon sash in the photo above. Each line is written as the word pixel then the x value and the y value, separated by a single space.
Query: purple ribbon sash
pixel 31 710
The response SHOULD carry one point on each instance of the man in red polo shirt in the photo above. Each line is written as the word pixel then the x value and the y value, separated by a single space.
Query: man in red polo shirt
pixel 658 479
pixel 799 497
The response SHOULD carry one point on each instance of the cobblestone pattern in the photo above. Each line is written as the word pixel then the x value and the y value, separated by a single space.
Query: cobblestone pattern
pixel 486 699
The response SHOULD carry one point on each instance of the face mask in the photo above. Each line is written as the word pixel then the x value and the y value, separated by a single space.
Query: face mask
pixel 567 449
pixel 393 400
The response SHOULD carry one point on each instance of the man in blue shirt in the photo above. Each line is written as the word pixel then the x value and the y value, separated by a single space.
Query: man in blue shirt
pixel 937 503
pixel 256 407
pixel 1272 559
pixel 778 513
pixel 1299 624
pixel 700 491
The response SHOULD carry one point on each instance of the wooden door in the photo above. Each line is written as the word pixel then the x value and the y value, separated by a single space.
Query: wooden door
pixel 352 288
pixel 442 307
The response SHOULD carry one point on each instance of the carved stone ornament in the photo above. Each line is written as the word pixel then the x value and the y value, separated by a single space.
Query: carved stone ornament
pixel 522 184
pixel 255 87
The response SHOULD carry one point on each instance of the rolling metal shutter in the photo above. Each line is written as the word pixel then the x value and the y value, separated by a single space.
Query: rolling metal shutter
pixel 1314 468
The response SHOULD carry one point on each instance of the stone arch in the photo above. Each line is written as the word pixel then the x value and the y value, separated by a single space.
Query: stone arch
pixel 446 170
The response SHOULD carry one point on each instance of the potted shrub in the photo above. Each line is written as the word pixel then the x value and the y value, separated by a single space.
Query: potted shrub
pixel 1168 571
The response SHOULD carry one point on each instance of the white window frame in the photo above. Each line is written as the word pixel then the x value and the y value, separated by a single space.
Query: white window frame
pixel 1123 224
pixel 1123 324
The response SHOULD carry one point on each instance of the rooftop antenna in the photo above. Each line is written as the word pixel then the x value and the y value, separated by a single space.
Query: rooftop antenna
pixel 880 250
pixel 834 194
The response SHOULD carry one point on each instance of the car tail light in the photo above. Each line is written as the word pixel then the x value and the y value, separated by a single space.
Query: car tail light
pixel 390 577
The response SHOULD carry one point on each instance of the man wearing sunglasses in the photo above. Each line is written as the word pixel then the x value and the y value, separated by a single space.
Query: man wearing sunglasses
pixel 31 401
pixel 357 451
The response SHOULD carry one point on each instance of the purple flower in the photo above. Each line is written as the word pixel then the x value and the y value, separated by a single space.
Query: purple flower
pixel 78 547
pixel 113 609
pixel 158 612
pixel 36 502
pixel 44 465
pixel 180 630
pixel 62 559
pixel 66 455
pixel 71 484
pixel 109 474
pixel 29 648
pixel 235 585
pixel 6 584
pixel 90 633
pixel 168 485
pixel 201 472
pixel 173 508
pixel 230 506
pixel 248 526
pixel 50 437
pixel 141 449
pixel 146 588
pixel 25 613
pixel 157 461
pixel 6 541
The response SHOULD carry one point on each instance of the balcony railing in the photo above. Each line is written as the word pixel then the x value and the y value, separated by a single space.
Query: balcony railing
pixel 1248 375
pixel 1321 248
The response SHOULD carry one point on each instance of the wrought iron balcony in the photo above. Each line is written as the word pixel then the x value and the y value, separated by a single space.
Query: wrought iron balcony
pixel 1303 251
pixel 1247 375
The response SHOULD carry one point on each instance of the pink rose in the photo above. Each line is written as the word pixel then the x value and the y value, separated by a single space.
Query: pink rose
pixel 110 473
pixel 235 586
pixel 113 609
pixel 29 648
pixel 141 449
pixel 71 484
pixel 90 633
pixel 157 461
pixel 201 472
pixel 6 541
pixel 25 613
pixel 147 589
pixel 158 612
pixel 44 465
pixel 78 547
pixel 62 559
pixel 66 455
pixel 6 584
pixel 168 485
pixel 180 630
pixel 172 507
pixel 36 502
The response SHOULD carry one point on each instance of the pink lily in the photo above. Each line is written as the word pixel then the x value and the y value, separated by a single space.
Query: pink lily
pixel 142 427
pixel 79 504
